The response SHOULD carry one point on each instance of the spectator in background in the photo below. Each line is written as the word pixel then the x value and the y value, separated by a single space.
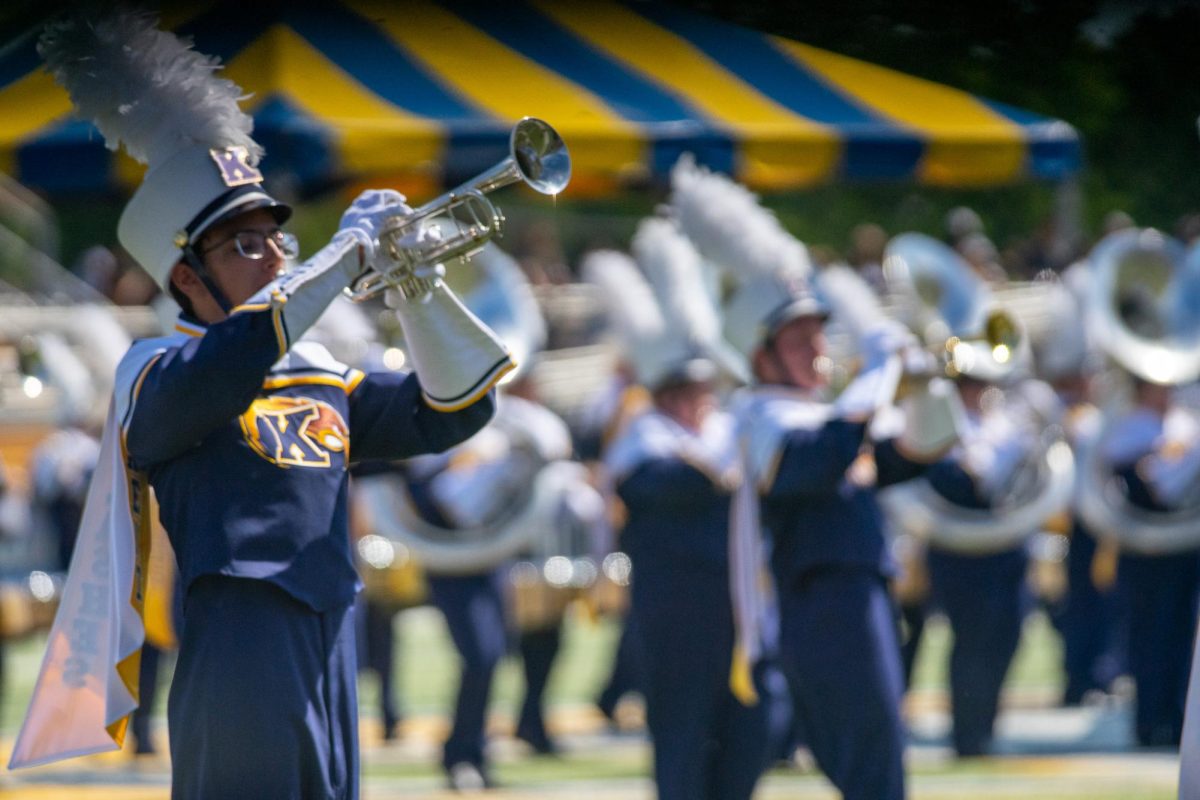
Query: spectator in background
pixel 133 286
pixel 867 243
pixel 98 268
pixel 9 527
pixel 1048 249
pixel 539 252
pixel 1116 220
pixel 961 222
pixel 1187 228
pixel 979 251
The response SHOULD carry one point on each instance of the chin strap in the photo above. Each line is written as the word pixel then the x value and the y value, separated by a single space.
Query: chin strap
pixel 193 260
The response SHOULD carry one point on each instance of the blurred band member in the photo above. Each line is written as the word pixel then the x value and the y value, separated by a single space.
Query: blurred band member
pixel 675 469
pixel 1154 450
pixel 1091 615
pixel 983 591
pixel 816 467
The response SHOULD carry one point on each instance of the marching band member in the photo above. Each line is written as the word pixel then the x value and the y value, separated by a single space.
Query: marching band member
pixel 816 468
pixel 245 433
pixel 538 639
pixel 466 487
pixel 1154 451
pixel 61 467
pixel 813 469
pixel 473 605
pixel 1142 311
pixel 983 593
pixel 674 468
pixel 977 506
pixel 621 400
pixel 481 484
pixel 1091 615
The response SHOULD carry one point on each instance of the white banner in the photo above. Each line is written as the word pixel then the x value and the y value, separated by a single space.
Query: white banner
pixel 84 693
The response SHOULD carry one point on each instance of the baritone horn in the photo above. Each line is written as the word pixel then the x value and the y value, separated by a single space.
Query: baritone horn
pixel 952 309
pixel 464 217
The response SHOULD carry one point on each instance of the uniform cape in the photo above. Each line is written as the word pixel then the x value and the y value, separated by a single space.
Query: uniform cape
pixel 764 416
pixel 746 588
pixel 88 683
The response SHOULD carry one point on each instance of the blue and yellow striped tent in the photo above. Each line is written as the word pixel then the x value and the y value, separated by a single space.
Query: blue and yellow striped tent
pixel 423 93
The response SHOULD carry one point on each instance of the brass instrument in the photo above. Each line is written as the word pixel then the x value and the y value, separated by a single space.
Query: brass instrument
pixel 1141 305
pixel 391 576
pixel 560 566
pixel 1044 491
pixel 464 217
pixel 952 309
pixel 1142 311
pixel 28 603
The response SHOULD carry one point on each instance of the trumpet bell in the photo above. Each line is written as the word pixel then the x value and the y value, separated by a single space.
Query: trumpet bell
pixel 540 156
pixel 464 219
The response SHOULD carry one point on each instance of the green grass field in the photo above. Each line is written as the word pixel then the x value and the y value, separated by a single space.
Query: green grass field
pixel 601 766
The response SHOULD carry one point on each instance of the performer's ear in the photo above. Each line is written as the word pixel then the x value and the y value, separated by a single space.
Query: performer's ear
pixel 186 287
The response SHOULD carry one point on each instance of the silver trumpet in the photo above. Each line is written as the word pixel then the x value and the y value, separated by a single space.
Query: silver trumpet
pixel 464 216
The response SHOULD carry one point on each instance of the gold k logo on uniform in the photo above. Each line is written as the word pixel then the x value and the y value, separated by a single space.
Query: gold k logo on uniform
pixel 295 431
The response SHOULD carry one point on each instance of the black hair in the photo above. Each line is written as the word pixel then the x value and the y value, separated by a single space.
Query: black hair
pixel 182 299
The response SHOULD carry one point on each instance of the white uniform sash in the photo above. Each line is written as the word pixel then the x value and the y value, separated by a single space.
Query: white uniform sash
pixel 88 682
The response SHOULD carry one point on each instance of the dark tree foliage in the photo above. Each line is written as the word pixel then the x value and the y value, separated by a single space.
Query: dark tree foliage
pixel 1126 75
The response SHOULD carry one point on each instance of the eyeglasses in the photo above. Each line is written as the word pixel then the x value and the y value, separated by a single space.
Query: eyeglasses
pixel 253 244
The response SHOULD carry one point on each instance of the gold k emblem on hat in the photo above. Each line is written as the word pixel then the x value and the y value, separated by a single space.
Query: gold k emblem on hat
pixel 234 164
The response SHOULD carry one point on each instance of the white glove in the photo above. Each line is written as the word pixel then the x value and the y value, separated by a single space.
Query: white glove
pixel 883 341
pixel 934 418
pixel 365 218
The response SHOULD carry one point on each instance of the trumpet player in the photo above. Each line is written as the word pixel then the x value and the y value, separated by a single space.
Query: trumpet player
pixel 674 467
pixel 243 431
pixel 814 466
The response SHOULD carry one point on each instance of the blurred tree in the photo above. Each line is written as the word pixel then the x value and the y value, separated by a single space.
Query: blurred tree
pixel 1123 73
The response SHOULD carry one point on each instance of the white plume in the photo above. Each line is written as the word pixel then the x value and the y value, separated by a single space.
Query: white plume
pixel 634 315
pixel 674 270
pixel 729 227
pixel 855 306
pixel 144 88
pixel 632 306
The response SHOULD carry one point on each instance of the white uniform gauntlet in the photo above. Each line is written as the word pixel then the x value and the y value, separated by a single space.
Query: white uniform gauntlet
pixel 456 357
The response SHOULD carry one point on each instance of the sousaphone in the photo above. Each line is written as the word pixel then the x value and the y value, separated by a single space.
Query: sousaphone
pixel 1143 310
pixel 953 311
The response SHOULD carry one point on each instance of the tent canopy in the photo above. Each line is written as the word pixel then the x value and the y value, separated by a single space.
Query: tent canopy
pixel 421 94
